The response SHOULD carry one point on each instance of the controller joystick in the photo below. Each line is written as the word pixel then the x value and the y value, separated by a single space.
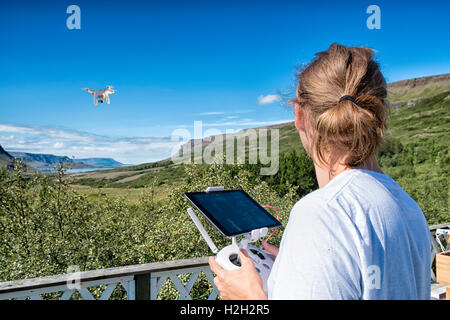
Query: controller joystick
pixel 234 258
pixel 228 258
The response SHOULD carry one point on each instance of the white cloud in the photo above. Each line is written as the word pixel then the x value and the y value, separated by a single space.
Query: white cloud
pixel 213 113
pixel 67 142
pixel 58 145
pixel 16 129
pixel 246 123
pixel 219 113
pixel 268 99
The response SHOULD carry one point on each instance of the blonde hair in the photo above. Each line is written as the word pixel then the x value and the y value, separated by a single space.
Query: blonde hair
pixel 351 128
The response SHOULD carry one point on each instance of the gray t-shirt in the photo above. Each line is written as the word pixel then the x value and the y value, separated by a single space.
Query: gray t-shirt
pixel 359 237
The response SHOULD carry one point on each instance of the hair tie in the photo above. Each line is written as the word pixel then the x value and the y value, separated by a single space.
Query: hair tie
pixel 352 99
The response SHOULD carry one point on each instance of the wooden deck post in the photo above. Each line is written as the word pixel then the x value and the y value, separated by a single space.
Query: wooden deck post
pixel 142 286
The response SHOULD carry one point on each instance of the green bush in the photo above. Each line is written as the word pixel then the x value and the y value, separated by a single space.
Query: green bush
pixel 47 226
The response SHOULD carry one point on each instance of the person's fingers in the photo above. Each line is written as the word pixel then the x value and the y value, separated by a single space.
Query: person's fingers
pixel 270 248
pixel 217 283
pixel 245 258
pixel 215 267
pixel 219 286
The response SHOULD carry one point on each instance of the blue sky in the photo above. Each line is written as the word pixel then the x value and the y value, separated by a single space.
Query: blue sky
pixel 176 62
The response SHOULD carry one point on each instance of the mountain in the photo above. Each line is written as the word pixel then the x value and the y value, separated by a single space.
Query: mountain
pixel 38 160
pixel 100 162
pixel 418 85
pixel 411 91
pixel 5 158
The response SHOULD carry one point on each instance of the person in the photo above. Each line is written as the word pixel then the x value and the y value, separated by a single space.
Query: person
pixel 360 235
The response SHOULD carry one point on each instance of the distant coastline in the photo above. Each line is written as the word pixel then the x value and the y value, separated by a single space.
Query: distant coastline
pixel 74 170
pixel 46 163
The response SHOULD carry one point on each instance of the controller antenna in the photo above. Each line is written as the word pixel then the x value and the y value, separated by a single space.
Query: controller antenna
pixel 202 230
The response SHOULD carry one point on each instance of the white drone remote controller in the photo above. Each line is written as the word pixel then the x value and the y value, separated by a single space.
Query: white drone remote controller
pixel 228 257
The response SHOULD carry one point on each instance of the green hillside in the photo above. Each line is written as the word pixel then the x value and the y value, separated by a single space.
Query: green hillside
pixel 411 91
pixel 417 154
pixel 423 123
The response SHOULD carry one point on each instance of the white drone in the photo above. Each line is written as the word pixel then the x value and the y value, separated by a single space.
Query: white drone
pixel 101 95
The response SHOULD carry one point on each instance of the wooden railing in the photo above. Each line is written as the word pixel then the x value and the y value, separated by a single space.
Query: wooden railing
pixel 140 282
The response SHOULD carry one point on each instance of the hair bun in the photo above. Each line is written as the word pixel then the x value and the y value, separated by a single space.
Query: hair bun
pixel 344 133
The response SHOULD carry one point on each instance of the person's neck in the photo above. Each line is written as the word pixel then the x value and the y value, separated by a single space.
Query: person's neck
pixel 324 174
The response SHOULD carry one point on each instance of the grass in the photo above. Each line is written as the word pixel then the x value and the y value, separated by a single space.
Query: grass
pixel 162 179
pixel 98 194
pixel 423 122
pixel 130 195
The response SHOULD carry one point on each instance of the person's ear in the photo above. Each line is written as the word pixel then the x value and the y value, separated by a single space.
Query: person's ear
pixel 299 118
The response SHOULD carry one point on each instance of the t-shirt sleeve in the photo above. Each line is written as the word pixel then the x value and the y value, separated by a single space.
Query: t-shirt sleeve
pixel 318 257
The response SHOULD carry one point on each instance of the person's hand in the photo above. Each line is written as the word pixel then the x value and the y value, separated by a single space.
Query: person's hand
pixel 271 249
pixel 244 283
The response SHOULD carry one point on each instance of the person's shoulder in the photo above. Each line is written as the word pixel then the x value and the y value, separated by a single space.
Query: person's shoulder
pixel 373 177
pixel 312 211
pixel 374 189
pixel 335 201
pixel 312 199
pixel 321 198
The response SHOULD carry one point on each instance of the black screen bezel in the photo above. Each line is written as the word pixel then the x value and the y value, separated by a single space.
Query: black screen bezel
pixel 215 222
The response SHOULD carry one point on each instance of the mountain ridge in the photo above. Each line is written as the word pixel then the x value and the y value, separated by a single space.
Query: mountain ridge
pixel 5 158
pixel 409 92
pixel 43 160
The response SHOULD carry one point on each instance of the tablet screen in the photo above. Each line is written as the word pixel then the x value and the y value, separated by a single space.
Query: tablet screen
pixel 232 212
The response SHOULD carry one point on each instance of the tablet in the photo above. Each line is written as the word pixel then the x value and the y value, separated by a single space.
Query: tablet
pixel 232 212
